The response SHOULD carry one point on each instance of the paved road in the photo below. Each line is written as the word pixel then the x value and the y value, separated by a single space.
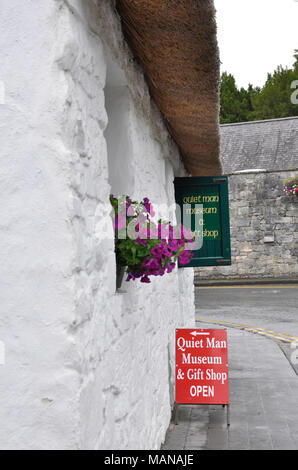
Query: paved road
pixel 263 383
pixel 263 399
pixel 273 307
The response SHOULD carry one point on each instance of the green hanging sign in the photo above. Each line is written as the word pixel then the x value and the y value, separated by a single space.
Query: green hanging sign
pixel 204 207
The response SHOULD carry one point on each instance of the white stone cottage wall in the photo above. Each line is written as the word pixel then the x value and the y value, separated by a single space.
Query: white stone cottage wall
pixel 85 367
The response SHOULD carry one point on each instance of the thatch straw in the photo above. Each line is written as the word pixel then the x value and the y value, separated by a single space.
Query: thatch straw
pixel 175 42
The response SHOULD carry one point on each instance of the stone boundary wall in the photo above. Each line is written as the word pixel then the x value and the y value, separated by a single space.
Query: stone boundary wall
pixel 264 223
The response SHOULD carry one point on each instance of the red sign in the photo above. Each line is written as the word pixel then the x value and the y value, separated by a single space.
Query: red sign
pixel 202 367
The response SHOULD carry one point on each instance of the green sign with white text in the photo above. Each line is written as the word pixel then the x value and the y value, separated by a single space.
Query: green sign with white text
pixel 204 205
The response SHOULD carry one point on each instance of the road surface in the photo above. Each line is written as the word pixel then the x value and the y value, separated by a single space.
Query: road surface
pixel 270 307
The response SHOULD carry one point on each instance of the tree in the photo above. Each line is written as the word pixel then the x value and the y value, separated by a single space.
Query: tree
pixel 236 105
pixel 274 100
pixel 230 98
pixel 270 102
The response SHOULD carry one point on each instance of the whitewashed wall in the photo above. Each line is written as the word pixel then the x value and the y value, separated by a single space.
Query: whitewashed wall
pixel 86 368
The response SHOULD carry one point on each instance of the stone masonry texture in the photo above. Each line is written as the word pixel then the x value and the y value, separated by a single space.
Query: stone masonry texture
pixel 264 235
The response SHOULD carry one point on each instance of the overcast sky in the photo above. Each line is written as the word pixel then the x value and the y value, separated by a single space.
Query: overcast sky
pixel 255 36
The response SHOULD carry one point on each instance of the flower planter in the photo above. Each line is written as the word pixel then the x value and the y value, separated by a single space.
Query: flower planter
pixel 155 247
pixel 291 186
pixel 120 272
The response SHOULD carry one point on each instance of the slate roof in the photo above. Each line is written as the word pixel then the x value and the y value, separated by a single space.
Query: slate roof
pixel 269 145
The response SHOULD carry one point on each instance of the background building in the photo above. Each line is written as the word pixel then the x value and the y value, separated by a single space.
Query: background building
pixel 259 156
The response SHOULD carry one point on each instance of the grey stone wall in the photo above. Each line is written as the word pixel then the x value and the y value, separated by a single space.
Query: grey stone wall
pixel 264 236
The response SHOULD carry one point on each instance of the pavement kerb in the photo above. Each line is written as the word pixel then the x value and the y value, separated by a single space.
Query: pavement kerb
pixel 283 340
pixel 253 329
pixel 245 282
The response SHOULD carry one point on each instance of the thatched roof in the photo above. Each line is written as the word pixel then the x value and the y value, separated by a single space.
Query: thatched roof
pixel 175 42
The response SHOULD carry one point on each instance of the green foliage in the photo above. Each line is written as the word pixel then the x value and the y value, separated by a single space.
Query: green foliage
pixel 145 247
pixel 271 101
pixel 131 254
pixel 236 105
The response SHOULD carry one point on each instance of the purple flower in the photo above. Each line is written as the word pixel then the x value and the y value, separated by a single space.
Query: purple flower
pixel 158 259
pixel 185 257
pixel 166 252
pixel 170 267
pixel 148 206
pixel 158 250
pixel 160 271
pixel 151 263
pixel 133 275
pixel 130 277
pixel 141 241
pixel 173 245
